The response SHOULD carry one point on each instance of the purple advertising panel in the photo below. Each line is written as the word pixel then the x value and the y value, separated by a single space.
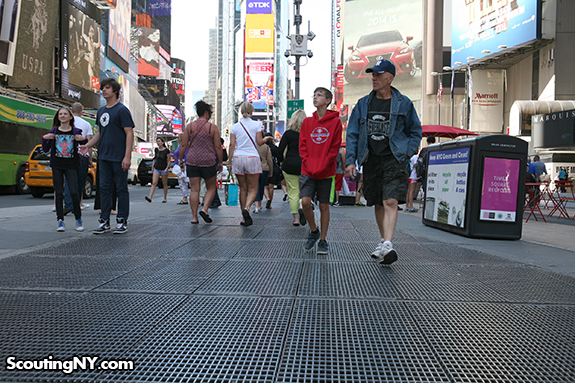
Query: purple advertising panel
pixel 259 6
pixel 160 8
pixel 499 189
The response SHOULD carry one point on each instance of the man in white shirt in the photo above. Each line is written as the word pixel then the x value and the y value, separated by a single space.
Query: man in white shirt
pixel 86 162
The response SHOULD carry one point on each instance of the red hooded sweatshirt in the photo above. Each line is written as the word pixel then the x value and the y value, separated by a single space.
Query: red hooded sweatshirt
pixel 319 143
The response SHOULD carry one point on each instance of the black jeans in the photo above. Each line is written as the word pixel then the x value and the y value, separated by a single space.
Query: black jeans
pixel 72 181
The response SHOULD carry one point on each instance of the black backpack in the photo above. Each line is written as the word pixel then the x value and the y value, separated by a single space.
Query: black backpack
pixel 420 167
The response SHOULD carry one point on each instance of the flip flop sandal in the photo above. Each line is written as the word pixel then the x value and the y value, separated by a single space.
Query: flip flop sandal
pixel 248 220
pixel 194 223
pixel 296 224
pixel 182 203
pixel 206 217
pixel 148 199
pixel 164 201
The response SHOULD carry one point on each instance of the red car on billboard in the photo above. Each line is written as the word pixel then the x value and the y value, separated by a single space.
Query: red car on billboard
pixel 375 46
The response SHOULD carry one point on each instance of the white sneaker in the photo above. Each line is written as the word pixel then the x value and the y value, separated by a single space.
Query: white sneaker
pixel 387 255
pixel 84 206
pixel 377 252
pixel 54 209
pixel 257 210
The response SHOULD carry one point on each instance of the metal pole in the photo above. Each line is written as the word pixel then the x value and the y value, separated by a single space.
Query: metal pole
pixel 439 99
pixel 297 23
pixel 452 95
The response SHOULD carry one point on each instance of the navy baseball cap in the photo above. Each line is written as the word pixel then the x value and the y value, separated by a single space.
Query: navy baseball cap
pixel 382 66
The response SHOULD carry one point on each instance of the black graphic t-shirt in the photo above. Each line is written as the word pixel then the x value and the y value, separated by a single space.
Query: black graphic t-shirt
pixel 64 155
pixel 378 122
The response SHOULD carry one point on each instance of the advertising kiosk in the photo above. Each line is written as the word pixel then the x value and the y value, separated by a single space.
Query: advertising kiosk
pixel 475 187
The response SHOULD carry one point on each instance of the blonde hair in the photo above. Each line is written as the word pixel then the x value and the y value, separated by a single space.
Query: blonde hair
pixel 296 120
pixel 246 109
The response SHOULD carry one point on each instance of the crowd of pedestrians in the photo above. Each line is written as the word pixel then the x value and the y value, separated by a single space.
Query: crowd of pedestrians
pixel 311 161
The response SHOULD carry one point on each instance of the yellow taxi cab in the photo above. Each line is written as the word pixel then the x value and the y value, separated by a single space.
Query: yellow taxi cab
pixel 39 174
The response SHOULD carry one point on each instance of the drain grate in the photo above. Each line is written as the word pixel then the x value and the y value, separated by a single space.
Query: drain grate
pixel 213 339
pixel 346 280
pixel 260 249
pixel 259 277
pixel 67 273
pixel 239 232
pixel 166 276
pixel 353 341
pixel 479 342
pixel 208 248
pixel 284 233
pixel 106 325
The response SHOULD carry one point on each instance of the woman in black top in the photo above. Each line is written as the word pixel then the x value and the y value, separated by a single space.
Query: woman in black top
pixel 277 174
pixel 291 164
pixel 62 143
pixel 161 166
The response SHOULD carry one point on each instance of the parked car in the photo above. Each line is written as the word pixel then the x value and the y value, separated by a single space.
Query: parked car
pixel 372 47
pixel 145 174
pixel 39 174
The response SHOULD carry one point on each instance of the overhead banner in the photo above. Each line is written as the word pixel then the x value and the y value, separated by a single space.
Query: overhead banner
pixel 479 28
pixel 382 29
pixel 148 51
pixel 35 49
pixel 119 28
pixel 160 8
pixel 258 7
pixel 260 40
pixel 486 94
pixel 259 81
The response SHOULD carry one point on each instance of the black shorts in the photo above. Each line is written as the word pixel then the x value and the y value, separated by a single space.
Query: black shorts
pixel 383 178
pixel 203 172
pixel 309 187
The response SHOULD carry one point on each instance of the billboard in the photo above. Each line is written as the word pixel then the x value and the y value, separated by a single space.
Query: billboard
pixel 80 39
pixel 382 29
pixel 481 25
pixel 175 117
pixel 119 28
pixel 148 51
pixel 259 80
pixel 486 95
pixel 260 40
pixel 8 23
pixel 258 7
pixel 35 50
pixel 160 8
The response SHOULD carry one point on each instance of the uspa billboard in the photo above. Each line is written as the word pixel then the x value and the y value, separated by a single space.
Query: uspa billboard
pixel 35 49
pixel 478 26
pixel 382 29
pixel 80 31
pixel 148 51
pixel 119 28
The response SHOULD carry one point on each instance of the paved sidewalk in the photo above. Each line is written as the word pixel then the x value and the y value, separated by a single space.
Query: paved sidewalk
pixel 225 303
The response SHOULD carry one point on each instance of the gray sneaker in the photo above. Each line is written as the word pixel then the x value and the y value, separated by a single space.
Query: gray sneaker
pixel 121 227
pixel 322 247
pixel 388 255
pixel 104 227
pixel 311 240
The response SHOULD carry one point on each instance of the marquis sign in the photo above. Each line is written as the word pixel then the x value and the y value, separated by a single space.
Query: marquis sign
pixel 259 6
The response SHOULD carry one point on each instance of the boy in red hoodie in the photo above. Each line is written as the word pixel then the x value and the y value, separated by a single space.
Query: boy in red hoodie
pixel 319 143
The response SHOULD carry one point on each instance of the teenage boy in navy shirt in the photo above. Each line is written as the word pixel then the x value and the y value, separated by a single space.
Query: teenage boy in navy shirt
pixel 319 143
pixel 116 138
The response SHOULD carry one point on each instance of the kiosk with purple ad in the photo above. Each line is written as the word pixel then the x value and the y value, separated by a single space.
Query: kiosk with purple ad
pixel 474 187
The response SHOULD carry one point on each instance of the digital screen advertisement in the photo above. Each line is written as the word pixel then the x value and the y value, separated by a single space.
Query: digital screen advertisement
pixel 483 25
pixel 446 189
pixel 259 83
pixel 499 189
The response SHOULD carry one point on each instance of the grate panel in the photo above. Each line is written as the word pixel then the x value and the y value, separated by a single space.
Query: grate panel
pixel 105 325
pixel 481 342
pixel 166 275
pixel 356 341
pixel 259 277
pixel 239 232
pixel 289 250
pixel 23 307
pixel 283 233
pixel 213 339
pixel 72 272
pixel 460 255
pixel 344 251
pixel 208 249
pixel 524 283
pixel 346 280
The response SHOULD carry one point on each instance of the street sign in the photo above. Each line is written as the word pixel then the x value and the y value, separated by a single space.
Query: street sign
pixel 292 106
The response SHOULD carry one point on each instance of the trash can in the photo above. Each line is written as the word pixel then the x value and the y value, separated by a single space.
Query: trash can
pixel 475 187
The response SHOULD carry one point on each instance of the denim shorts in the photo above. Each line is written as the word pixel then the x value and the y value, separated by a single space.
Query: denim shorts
pixel 384 178
pixel 161 172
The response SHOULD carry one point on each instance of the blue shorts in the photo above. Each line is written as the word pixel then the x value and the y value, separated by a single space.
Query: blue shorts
pixel 161 172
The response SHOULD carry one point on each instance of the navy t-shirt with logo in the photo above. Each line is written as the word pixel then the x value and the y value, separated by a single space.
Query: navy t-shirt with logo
pixel 378 123
pixel 65 156
pixel 111 122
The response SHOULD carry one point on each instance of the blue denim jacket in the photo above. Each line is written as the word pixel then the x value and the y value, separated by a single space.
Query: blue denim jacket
pixel 405 129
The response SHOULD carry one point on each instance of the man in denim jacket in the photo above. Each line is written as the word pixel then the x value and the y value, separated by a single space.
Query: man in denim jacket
pixel 383 132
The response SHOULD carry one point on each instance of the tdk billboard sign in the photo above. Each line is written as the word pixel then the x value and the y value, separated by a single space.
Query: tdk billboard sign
pixel 259 6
